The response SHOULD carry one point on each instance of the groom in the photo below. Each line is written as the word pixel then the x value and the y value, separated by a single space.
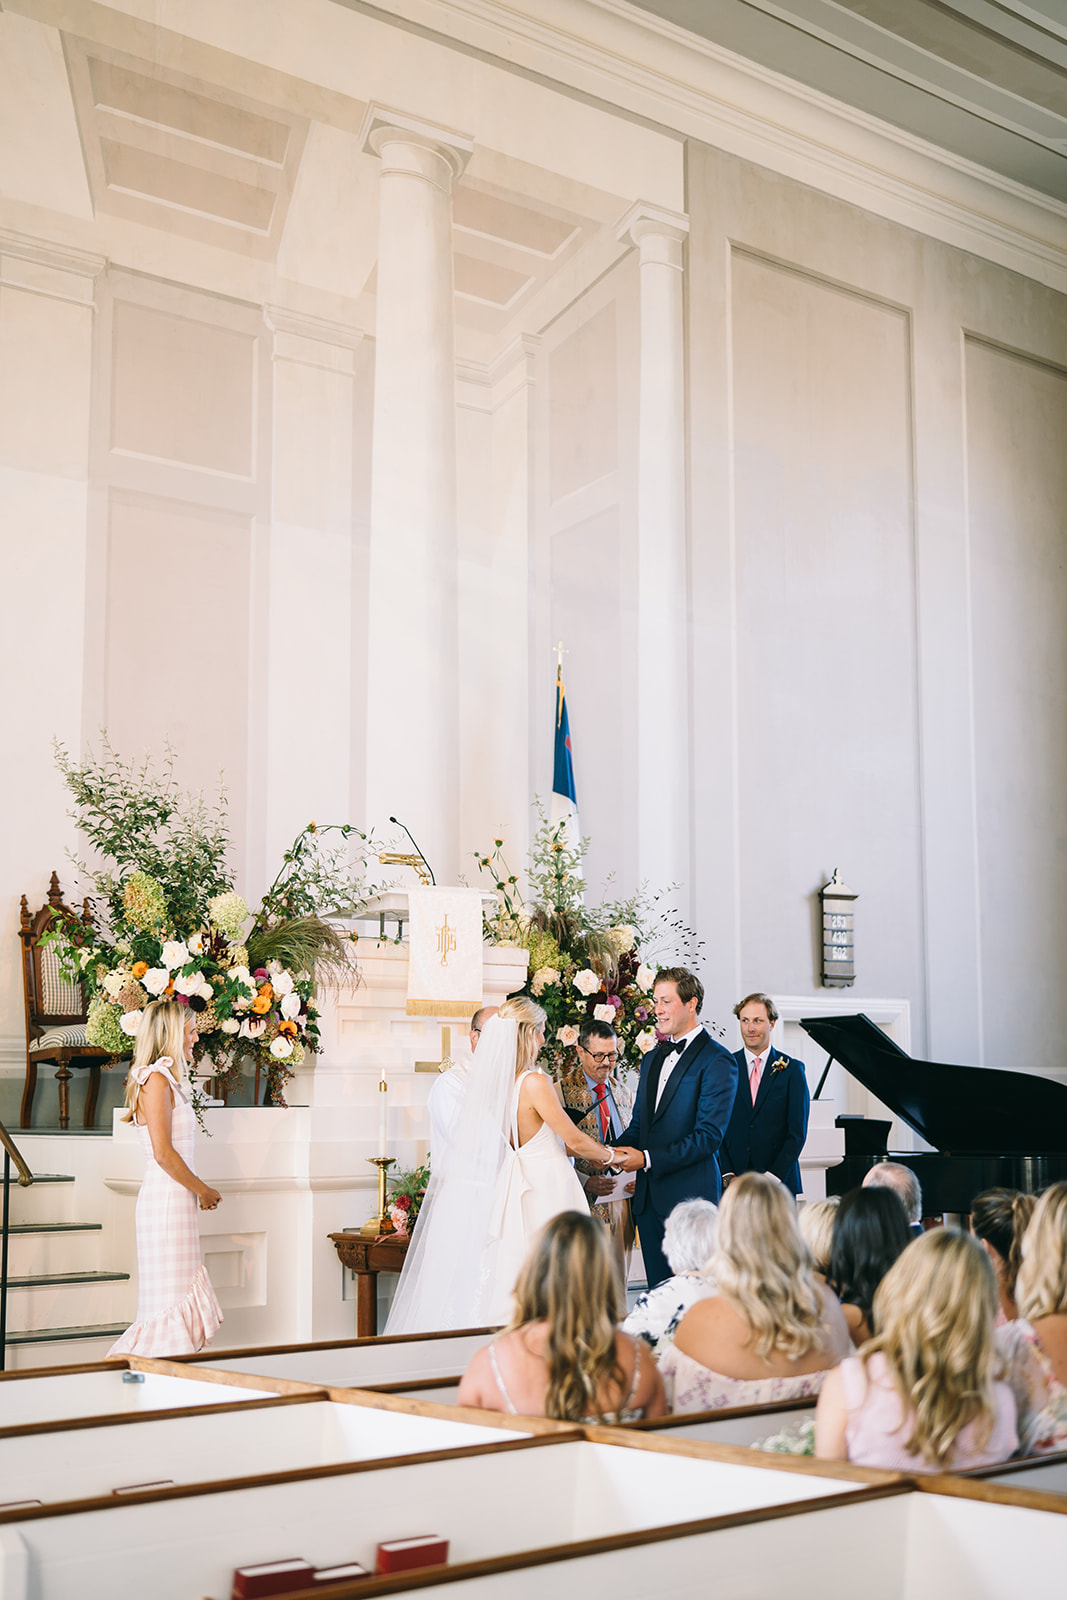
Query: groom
pixel 683 1104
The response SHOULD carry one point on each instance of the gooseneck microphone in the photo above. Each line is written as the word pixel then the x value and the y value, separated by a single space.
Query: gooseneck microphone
pixel 418 852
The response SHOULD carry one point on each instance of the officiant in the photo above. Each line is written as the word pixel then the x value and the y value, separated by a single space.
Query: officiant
pixel 596 1090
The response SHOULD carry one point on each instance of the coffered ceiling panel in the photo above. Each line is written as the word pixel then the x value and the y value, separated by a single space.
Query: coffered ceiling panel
pixel 180 154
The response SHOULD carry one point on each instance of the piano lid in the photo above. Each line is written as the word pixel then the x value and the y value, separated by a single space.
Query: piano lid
pixel 956 1109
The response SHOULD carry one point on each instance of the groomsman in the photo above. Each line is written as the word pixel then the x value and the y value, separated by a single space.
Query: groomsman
pixel 595 1090
pixel 683 1104
pixel 769 1122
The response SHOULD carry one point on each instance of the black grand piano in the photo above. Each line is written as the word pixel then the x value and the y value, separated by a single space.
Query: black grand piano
pixel 990 1128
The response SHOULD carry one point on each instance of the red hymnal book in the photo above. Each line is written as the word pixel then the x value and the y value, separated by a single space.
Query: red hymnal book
pixel 271 1577
pixel 343 1574
pixel 400 1555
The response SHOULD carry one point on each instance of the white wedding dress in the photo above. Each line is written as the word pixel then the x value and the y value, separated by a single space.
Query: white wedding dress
pixel 481 1212
pixel 535 1183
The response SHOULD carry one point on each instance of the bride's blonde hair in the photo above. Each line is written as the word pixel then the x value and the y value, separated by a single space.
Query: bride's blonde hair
pixel 762 1264
pixel 1041 1287
pixel 161 1033
pixel 530 1019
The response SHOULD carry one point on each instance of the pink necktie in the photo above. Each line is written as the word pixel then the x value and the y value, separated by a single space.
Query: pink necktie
pixel 753 1078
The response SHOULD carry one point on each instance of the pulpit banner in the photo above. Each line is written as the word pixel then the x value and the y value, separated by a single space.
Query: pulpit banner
pixel 444 952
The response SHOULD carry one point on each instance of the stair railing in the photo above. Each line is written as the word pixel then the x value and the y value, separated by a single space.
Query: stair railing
pixel 12 1153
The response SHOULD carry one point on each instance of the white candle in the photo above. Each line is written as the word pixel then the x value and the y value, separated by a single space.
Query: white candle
pixel 383 1106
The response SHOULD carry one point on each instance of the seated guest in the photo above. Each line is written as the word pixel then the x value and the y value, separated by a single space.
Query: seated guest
pixel 562 1356
pixel 999 1218
pixel 817 1220
pixel 1035 1346
pixel 922 1395
pixel 770 1331
pixel 870 1231
pixel 901 1179
pixel 688 1242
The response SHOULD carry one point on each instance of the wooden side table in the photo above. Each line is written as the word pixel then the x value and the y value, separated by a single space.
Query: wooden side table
pixel 366 1258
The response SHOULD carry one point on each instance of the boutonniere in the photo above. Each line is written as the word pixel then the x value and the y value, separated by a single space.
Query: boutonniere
pixel 780 1064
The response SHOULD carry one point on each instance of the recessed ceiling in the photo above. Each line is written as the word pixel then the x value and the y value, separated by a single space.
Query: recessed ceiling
pixel 182 155
pixel 982 79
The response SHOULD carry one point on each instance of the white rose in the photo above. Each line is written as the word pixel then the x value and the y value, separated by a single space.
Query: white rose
pixel 241 975
pixel 645 977
pixel 231 1025
pixel 130 1022
pixel 115 982
pixel 282 982
pixel 252 1027
pixel 156 979
pixel 175 954
pixel 604 1014
pixel 567 1036
pixel 280 1048
pixel 195 944
pixel 586 982
pixel 290 1007
pixel 188 982
pixel 646 1041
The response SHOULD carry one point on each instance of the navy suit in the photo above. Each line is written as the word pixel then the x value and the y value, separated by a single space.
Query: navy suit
pixel 682 1136
pixel 769 1136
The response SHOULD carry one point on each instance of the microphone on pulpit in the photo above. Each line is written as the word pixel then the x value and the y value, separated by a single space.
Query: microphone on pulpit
pixel 418 852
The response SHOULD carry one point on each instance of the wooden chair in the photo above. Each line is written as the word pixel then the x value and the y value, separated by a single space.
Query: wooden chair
pixel 56 1011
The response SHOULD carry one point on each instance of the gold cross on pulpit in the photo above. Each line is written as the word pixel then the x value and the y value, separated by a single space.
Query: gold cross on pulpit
pixel 446 1055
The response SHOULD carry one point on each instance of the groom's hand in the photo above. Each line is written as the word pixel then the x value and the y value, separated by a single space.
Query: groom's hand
pixel 629 1159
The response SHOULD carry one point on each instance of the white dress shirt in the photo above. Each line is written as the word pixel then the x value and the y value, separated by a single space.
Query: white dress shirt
pixel 669 1064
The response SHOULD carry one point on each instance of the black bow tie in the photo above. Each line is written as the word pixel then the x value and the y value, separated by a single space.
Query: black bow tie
pixel 678 1047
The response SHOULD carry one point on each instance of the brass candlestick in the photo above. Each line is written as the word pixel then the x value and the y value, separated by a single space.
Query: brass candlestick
pixel 380 1223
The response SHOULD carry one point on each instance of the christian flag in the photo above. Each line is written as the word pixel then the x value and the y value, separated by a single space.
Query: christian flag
pixel 564 794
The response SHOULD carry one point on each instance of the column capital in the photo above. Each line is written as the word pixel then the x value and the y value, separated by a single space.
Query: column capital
pixel 658 232
pixel 383 127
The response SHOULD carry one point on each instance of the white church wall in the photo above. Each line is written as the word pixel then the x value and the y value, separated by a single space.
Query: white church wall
pixel 828 422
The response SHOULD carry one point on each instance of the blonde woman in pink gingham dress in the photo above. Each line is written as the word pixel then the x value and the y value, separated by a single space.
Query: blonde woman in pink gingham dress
pixel 177 1312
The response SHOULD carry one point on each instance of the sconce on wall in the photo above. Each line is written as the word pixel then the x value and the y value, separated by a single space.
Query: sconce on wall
pixel 838 951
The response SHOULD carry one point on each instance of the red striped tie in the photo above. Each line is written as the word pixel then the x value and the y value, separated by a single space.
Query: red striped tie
pixel 605 1116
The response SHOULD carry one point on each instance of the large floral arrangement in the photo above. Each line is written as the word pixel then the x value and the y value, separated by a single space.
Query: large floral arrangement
pixel 585 961
pixel 167 921
pixel 407 1192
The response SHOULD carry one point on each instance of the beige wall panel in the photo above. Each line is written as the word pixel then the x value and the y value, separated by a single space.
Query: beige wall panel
pixel 182 390
pixel 584 416
pixel 178 583
pixel 41 161
pixel 45 347
pixel 828 744
pixel 1017 490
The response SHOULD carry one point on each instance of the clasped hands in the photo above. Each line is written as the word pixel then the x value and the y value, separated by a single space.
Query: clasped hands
pixel 626 1158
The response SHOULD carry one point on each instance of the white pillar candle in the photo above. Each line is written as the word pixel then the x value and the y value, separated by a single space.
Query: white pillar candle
pixel 383 1110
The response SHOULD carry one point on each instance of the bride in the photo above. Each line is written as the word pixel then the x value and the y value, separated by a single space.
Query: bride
pixel 507 1175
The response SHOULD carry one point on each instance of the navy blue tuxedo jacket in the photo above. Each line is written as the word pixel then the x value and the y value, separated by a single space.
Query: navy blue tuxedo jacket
pixel 769 1136
pixel 683 1133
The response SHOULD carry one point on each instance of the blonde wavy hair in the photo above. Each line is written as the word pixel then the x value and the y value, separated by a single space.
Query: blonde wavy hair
pixel 816 1222
pixel 1041 1287
pixel 762 1264
pixel 161 1033
pixel 568 1281
pixel 531 1019
pixel 935 1310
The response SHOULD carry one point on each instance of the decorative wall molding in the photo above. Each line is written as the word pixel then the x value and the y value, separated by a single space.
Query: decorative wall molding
pixel 312 341
pixel 607 51
pixel 59 272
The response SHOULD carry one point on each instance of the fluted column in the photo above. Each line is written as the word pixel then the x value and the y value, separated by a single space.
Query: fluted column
pixel 412 721
pixel 662 604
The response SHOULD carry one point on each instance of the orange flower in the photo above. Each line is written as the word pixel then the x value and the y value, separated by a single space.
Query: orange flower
pixel 288 1029
pixel 168 993
pixel 140 968
pixel 266 989
pixel 261 1004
